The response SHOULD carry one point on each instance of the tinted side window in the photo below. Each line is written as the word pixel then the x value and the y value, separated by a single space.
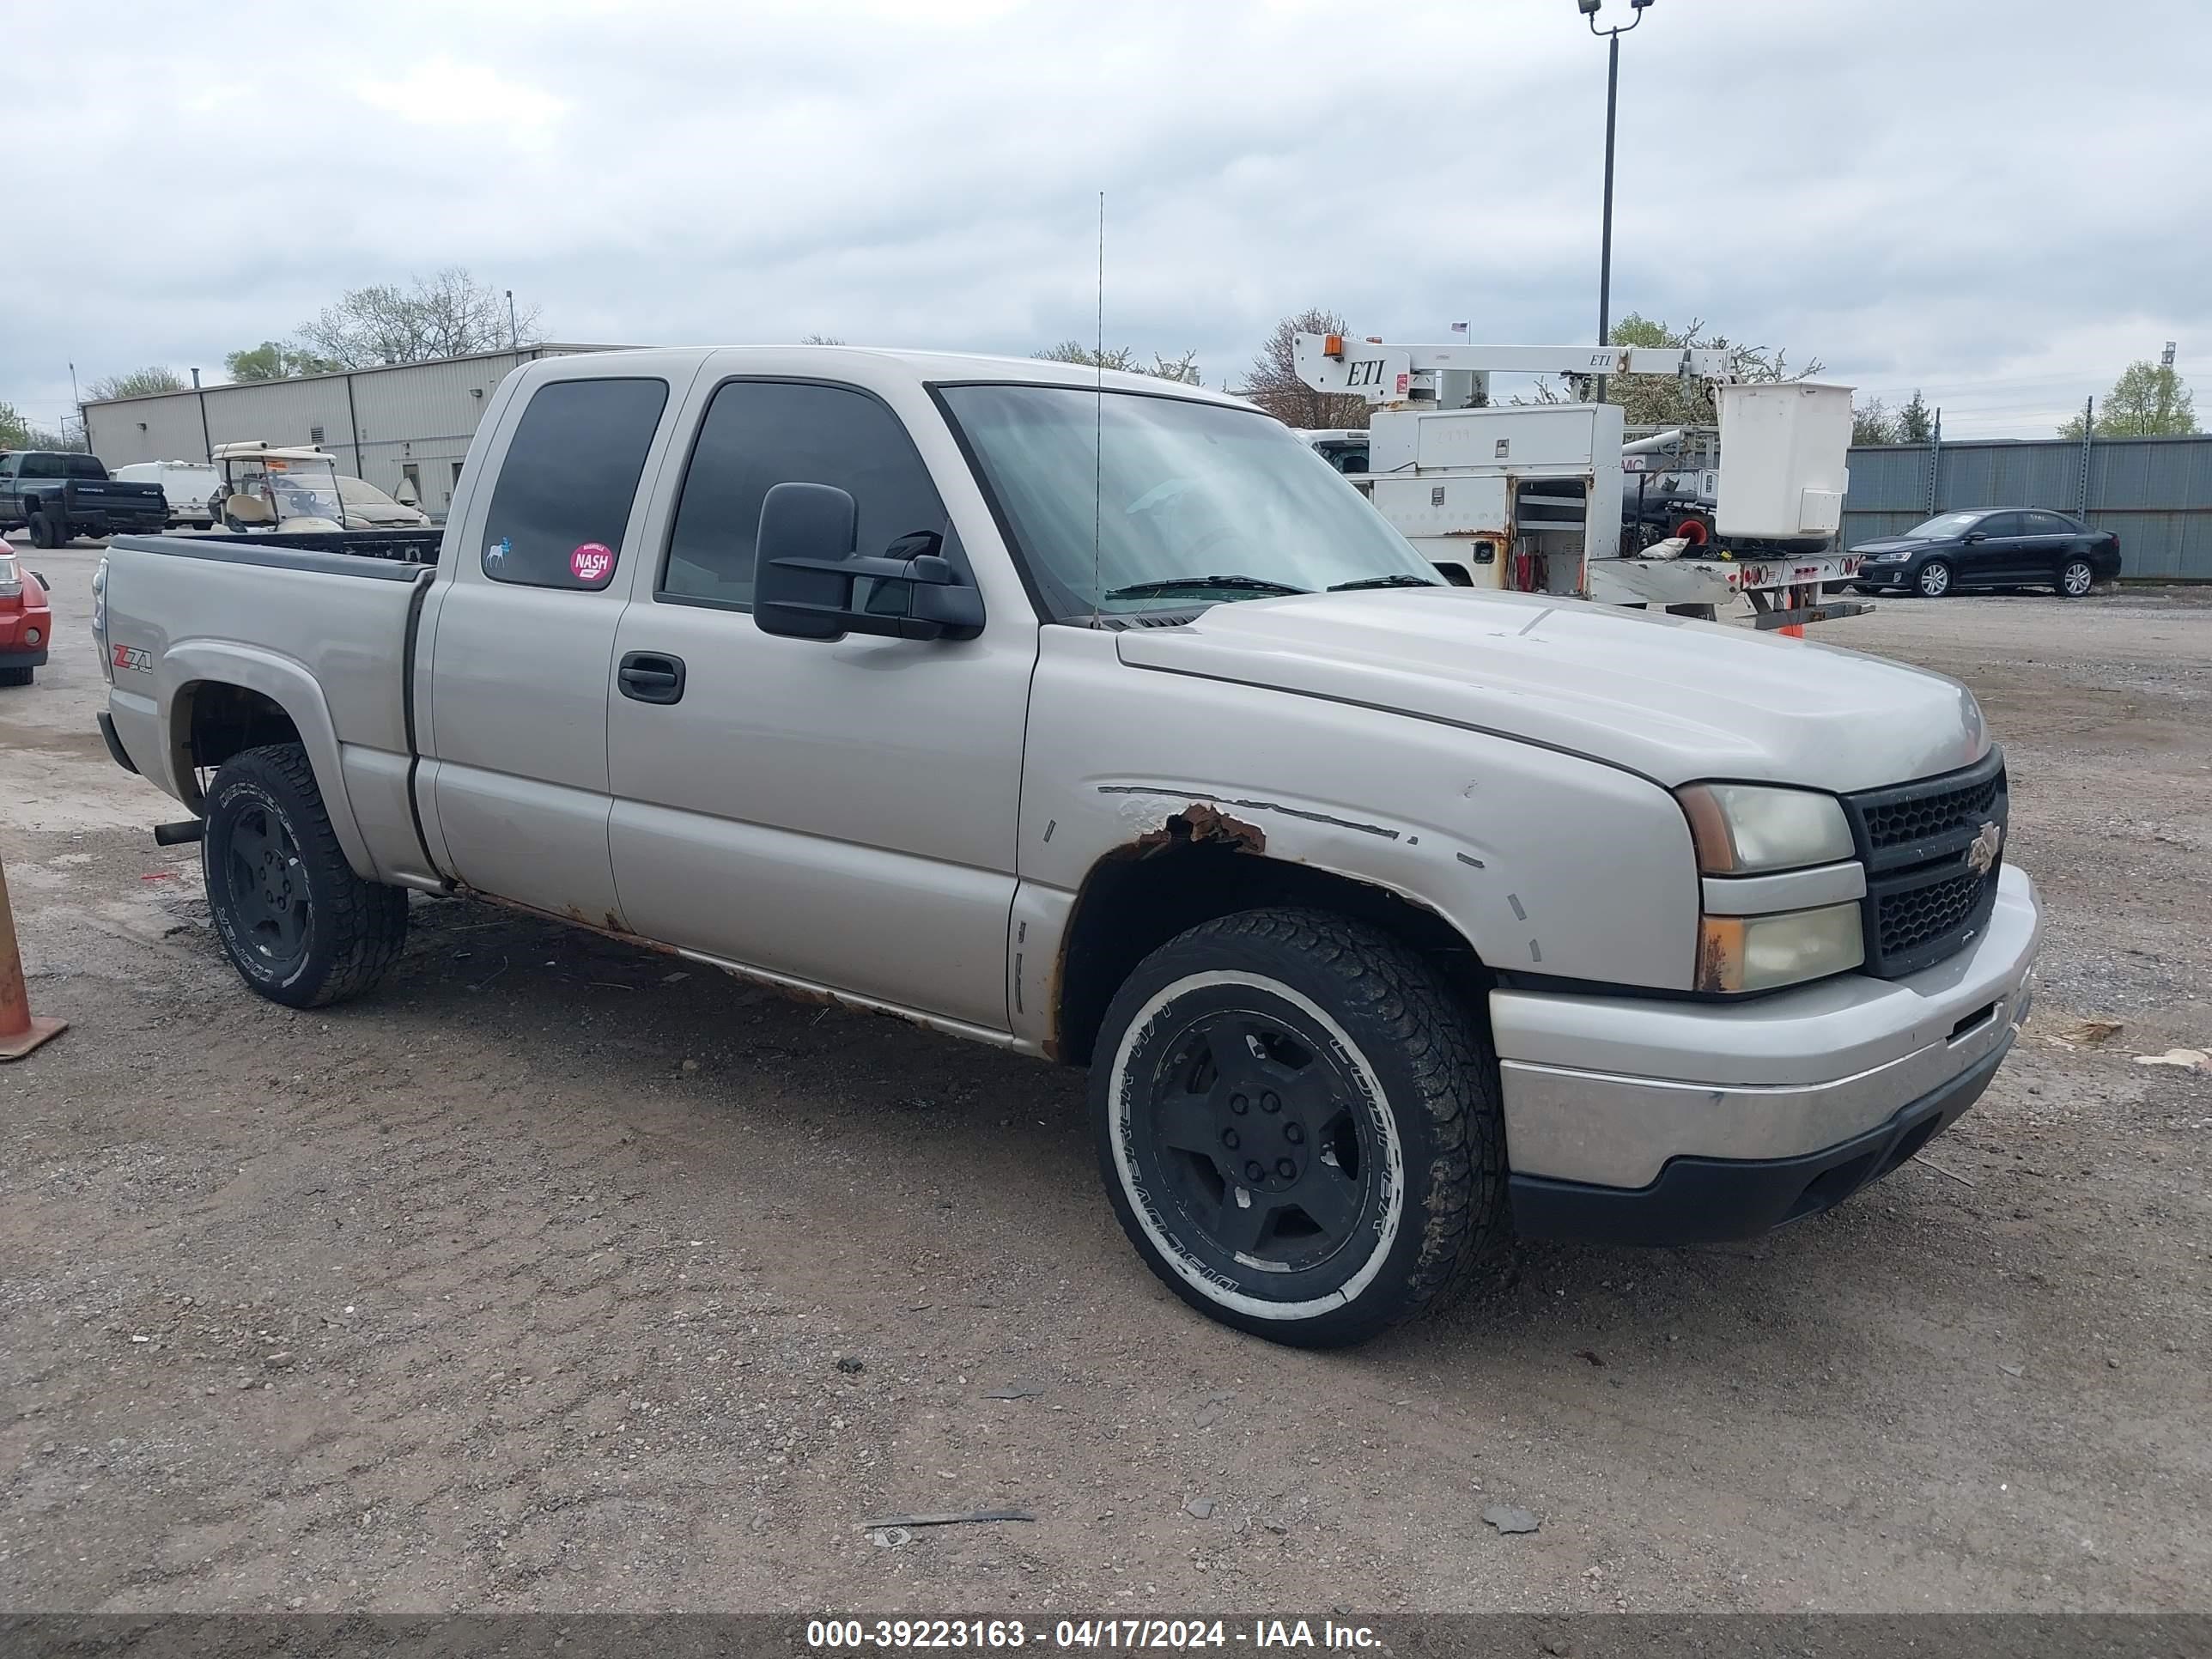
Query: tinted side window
pixel 2000 524
pixel 758 434
pixel 85 466
pixel 2045 524
pixel 571 475
pixel 39 464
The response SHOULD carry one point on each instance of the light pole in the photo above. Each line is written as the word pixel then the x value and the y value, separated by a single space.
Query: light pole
pixel 1612 37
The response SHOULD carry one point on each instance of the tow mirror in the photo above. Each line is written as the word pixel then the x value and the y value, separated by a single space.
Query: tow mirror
pixel 805 572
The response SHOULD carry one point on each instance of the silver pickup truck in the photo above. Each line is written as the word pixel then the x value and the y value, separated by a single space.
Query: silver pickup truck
pixel 1099 718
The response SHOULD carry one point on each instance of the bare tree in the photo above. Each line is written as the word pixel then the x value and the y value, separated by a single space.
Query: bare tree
pixel 1124 359
pixel 138 383
pixel 819 339
pixel 448 315
pixel 1662 400
pixel 1273 382
pixel 1873 423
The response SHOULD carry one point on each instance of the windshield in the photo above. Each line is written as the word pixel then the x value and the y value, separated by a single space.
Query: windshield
pixel 1945 523
pixel 301 489
pixel 1181 504
pixel 359 492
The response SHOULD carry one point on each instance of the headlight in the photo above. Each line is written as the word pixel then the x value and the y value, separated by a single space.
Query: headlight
pixel 1743 828
pixel 1758 953
pixel 1887 558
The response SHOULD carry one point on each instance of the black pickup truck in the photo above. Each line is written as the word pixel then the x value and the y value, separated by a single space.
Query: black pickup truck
pixel 61 495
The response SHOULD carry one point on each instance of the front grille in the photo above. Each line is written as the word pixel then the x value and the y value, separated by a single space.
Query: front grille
pixel 1925 899
pixel 1900 823
pixel 1906 920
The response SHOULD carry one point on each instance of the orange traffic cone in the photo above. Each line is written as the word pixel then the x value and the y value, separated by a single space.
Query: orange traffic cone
pixel 21 1030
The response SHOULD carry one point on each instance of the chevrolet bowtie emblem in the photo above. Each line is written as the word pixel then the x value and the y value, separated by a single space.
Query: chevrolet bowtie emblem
pixel 1987 843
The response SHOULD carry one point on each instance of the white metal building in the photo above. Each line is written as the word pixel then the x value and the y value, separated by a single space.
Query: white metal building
pixel 407 425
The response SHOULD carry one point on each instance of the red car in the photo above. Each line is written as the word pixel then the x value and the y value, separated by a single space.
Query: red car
pixel 27 622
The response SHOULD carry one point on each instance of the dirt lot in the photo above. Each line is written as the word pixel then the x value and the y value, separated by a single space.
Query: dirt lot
pixel 526 1281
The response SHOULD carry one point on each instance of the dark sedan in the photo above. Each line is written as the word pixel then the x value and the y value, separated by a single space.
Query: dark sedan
pixel 1991 547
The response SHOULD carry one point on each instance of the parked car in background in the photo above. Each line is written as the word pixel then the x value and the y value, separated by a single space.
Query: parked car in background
pixel 61 495
pixel 26 621
pixel 368 508
pixel 1990 547
pixel 189 488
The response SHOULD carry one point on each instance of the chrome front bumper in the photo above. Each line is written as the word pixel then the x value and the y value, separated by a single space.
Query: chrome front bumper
pixel 1605 1091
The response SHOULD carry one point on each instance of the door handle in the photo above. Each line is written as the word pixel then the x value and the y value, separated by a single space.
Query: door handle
pixel 651 677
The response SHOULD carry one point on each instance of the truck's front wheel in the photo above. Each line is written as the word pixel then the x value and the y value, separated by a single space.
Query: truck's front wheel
pixel 297 923
pixel 1298 1127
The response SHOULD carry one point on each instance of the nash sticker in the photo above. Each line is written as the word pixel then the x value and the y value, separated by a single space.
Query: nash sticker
pixel 592 563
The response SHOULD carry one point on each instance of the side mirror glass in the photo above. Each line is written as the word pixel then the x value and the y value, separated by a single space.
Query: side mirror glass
pixel 805 572
pixel 1973 536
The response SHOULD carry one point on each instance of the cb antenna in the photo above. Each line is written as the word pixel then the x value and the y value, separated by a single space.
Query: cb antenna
pixel 1098 430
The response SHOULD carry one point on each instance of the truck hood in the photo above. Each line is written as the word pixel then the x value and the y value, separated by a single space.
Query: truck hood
pixel 1671 699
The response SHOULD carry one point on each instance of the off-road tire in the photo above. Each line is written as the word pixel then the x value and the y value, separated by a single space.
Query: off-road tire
pixel 1397 1028
pixel 44 531
pixel 354 929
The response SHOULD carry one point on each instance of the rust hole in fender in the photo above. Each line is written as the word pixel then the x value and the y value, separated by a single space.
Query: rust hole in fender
pixel 1202 824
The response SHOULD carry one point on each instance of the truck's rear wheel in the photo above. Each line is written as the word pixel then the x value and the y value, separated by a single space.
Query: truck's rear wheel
pixel 300 927
pixel 44 531
pixel 1298 1127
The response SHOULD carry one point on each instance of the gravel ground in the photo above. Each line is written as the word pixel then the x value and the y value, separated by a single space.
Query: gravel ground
pixel 553 1276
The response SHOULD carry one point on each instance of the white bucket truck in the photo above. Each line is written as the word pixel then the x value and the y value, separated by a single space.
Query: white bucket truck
pixel 1530 498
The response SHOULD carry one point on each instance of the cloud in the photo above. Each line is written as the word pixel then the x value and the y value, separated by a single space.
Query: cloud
pixel 441 93
pixel 1996 202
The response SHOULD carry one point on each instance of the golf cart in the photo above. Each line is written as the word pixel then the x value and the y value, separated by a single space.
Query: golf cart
pixel 267 487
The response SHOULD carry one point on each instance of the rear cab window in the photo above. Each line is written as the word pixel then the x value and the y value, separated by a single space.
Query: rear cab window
pixel 569 480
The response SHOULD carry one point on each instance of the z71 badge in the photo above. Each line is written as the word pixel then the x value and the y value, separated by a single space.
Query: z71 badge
pixel 135 658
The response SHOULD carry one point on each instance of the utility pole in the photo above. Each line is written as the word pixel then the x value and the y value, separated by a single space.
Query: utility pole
pixel 1934 459
pixel 1589 10
pixel 2088 437
pixel 514 334
pixel 83 426
pixel 206 442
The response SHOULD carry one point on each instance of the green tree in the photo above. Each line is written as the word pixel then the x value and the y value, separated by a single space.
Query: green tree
pixel 1916 421
pixel 273 360
pixel 1124 359
pixel 18 431
pixel 2149 400
pixel 138 383
pixel 1272 381
pixel 1873 423
pixel 450 314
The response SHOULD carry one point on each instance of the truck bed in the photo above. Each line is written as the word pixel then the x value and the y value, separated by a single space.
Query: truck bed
pixel 336 553
pixel 280 619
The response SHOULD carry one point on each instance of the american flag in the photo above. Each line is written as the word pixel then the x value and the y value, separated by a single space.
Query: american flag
pixel 1459 328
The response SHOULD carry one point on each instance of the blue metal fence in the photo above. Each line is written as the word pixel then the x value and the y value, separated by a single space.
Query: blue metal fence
pixel 2156 493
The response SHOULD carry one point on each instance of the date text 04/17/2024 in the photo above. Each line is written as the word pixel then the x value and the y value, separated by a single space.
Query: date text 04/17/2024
pixel 1116 1635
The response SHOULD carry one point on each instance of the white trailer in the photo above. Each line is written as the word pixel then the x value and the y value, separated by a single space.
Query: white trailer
pixel 1529 498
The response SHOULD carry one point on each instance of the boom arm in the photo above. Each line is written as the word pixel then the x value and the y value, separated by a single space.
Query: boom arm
pixel 1391 374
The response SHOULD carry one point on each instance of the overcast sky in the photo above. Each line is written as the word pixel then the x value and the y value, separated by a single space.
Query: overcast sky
pixel 2001 203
